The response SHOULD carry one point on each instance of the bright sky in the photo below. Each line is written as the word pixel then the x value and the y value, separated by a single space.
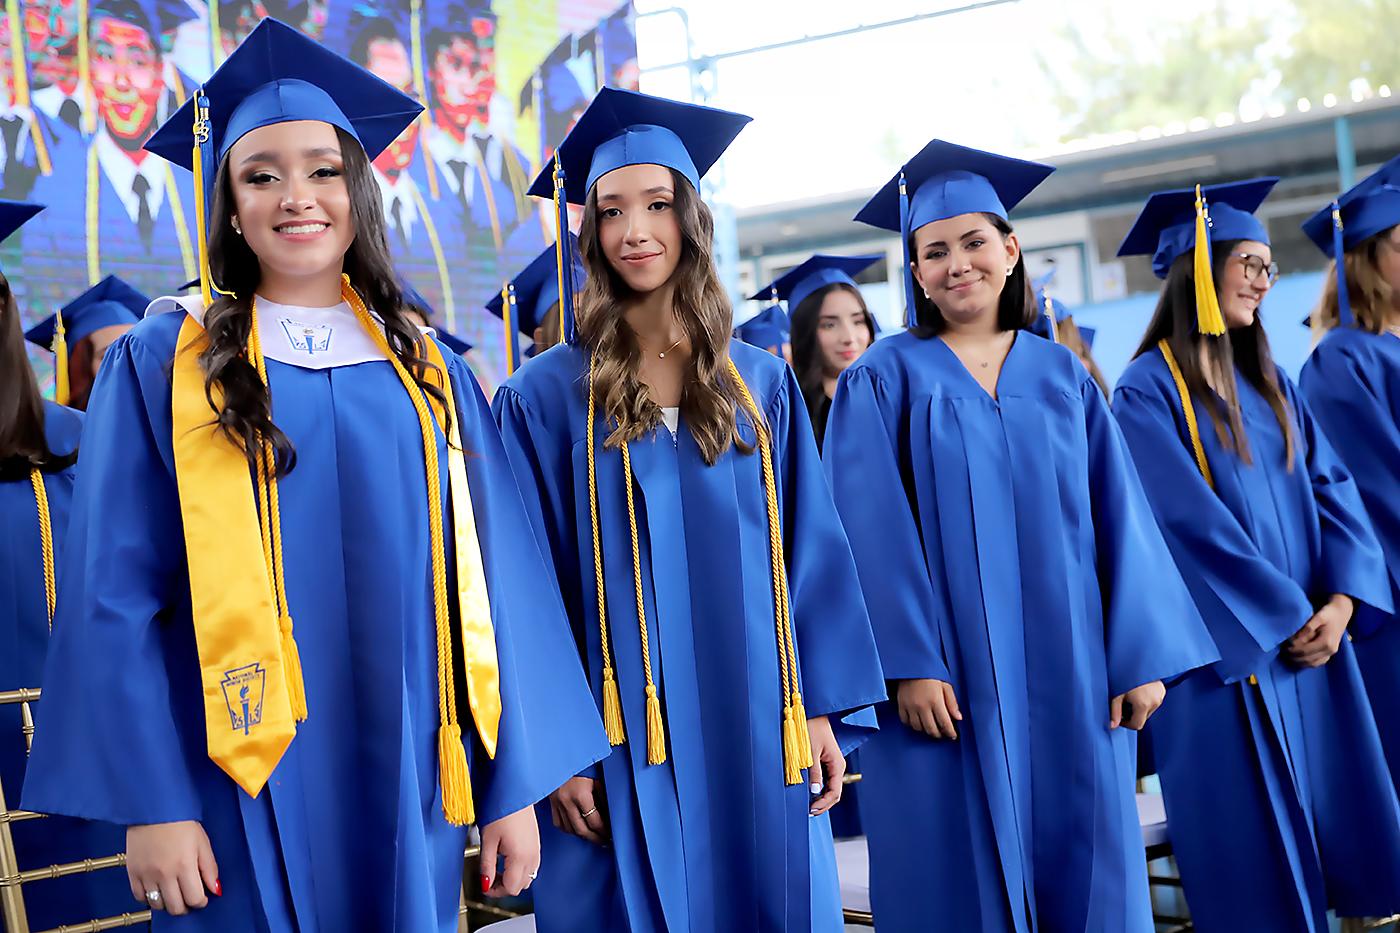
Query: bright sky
pixel 841 114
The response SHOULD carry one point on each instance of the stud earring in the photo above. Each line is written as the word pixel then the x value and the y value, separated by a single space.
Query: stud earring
pixel 236 228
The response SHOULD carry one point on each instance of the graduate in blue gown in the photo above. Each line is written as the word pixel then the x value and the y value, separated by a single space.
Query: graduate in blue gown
pixel 80 332
pixel 300 647
pixel 1275 745
pixel 673 474
pixel 528 305
pixel 38 449
pixel 829 326
pixel 1024 603
pixel 1056 322
pixel 1352 385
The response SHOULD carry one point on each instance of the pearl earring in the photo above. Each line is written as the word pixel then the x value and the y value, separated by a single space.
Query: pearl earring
pixel 236 228
pixel 926 293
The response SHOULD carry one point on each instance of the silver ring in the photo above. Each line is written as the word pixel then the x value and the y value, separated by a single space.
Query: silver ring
pixel 591 811
pixel 153 897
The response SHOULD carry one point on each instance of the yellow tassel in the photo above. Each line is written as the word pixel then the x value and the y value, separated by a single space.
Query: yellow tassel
pixel 1208 317
pixel 61 392
pixel 792 762
pixel 612 709
pixel 656 733
pixel 291 668
pixel 804 738
pixel 457 804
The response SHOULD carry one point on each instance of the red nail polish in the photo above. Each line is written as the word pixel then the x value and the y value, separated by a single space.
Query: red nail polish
pixel 218 888
pixel 485 884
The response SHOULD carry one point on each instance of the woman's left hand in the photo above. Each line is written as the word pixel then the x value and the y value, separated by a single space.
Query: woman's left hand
pixel 516 838
pixel 828 765
pixel 1321 638
pixel 1141 703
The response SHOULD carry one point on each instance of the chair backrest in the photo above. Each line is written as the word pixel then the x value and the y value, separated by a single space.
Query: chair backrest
pixel 13 878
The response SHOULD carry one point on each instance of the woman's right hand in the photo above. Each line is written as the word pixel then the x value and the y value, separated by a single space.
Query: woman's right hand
pixel 574 809
pixel 174 859
pixel 928 706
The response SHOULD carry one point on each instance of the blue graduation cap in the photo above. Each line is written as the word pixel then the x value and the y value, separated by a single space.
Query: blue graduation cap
pixel 15 214
pixel 525 300
pixel 947 180
pixel 1183 220
pixel 622 128
pixel 1367 208
pixel 277 75
pixel 1087 334
pixel 154 16
pixel 812 275
pixel 767 330
pixel 109 303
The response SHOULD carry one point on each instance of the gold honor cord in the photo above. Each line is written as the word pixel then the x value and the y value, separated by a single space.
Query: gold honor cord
pixel 248 657
pixel 449 308
pixel 41 502
pixel 85 92
pixel 490 202
pixel 1189 412
pixel 415 33
pixel 797 747
pixel 182 229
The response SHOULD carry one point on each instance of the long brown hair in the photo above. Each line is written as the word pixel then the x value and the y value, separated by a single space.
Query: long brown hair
pixel 1072 337
pixel 1371 297
pixel 246 415
pixel 1245 349
pixel 23 445
pixel 709 396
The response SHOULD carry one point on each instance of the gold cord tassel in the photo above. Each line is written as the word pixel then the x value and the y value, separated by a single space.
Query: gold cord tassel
pixel 612 709
pixel 1208 317
pixel 656 732
pixel 457 804
pixel 804 737
pixel 291 666
pixel 61 391
pixel 792 756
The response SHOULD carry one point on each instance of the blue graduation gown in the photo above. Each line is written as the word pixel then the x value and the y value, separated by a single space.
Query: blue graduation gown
pixel 349 833
pixel 24 642
pixel 712 840
pixel 1004 546
pixel 1352 385
pixel 1292 764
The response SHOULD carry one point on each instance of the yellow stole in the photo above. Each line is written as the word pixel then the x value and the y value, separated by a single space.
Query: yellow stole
pixel 251 675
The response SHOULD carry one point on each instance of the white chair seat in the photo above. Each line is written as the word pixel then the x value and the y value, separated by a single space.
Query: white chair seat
pixel 525 924
pixel 853 870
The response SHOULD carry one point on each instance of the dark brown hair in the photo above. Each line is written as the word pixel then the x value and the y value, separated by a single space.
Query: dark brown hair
pixel 806 355
pixel 1016 308
pixel 246 414
pixel 1072 337
pixel 709 396
pixel 23 445
pixel 1245 349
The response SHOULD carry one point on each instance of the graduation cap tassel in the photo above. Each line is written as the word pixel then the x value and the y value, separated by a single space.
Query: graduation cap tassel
pixel 911 312
pixel 508 319
pixel 561 252
pixel 1209 320
pixel 1344 316
pixel 60 360
pixel 202 144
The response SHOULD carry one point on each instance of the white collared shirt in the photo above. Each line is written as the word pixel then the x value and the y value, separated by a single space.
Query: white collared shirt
pixel 121 171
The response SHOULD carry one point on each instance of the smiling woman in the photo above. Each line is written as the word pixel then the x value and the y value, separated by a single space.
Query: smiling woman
pixel 304 611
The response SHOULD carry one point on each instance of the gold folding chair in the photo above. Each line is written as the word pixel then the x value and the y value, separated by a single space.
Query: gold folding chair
pixel 13 878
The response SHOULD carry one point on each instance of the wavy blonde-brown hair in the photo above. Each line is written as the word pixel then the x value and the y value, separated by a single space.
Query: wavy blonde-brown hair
pixel 1371 297
pixel 709 396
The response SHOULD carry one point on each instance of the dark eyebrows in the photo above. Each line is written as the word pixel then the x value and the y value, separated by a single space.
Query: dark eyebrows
pixel 317 153
pixel 975 231
pixel 659 189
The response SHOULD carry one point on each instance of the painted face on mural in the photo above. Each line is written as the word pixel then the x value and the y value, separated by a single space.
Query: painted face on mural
pixel 126 74
pixel 51 37
pixel 388 59
pixel 464 77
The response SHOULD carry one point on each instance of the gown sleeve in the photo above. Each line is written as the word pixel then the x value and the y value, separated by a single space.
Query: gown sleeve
pixel 1351 560
pixel 550 729
pixel 862 466
pixel 1250 606
pixel 108 745
pixel 836 651
pixel 1152 629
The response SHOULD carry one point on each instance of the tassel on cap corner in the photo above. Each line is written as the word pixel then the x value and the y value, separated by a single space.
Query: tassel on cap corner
pixel 1209 320
pixel 62 391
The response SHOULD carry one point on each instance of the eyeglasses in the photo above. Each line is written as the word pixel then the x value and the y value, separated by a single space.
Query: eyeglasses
pixel 1255 266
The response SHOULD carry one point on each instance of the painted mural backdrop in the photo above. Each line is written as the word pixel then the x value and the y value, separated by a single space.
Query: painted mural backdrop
pixel 501 81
